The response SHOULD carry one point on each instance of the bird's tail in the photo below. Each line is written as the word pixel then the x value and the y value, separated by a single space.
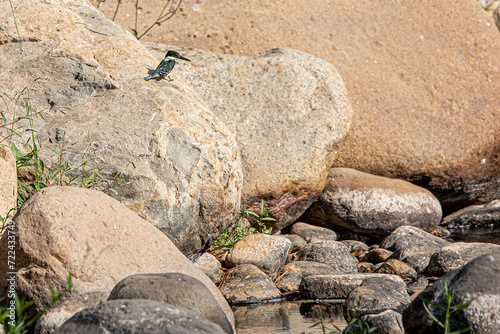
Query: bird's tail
pixel 149 77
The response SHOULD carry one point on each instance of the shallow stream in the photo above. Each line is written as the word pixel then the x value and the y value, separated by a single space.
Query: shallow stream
pixel 287 318
pixel 299 318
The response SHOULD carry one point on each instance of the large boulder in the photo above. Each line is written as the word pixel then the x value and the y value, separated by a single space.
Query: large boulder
pixel 372 205
pixel 425 95
pixel 93 237
pixel 176 289
pixel 8 180
pixel 478 281
pixel 283 106
pixel 179 165
pixel 136 316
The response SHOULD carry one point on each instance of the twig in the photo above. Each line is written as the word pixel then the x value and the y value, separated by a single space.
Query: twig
pixel 162 18
pixel 116 10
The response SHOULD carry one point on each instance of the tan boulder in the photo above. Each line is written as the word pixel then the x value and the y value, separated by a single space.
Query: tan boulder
pixel 289 112
pixel 93 237
pixel 372 205
pixel 422 78
pixel 179 165
pixel 8 180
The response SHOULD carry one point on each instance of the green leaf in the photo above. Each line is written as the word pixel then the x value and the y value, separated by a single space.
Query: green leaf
pixel 252 213
pixel 432 303
pixel 461 307
pixel 433 317
pixel 134 32
pixel 463 330
pixel 269 219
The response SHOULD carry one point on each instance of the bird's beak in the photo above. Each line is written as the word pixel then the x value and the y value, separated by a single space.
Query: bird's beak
pixel 184 58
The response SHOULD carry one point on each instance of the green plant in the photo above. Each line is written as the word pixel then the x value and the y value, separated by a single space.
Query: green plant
pixel 261 218
pixel 17 318
pixel 449 310
pixel 240 230
pixel 32 172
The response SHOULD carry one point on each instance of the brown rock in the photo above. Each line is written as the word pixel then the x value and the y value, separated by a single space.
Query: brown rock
pixel 365 267
pixel 8 180
pixel 376 255
pixel 289 281
pixel 426 96
pixel 396 267
pixel 63 230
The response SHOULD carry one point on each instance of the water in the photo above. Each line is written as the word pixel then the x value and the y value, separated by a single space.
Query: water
pixel 477 234
pixel 287 318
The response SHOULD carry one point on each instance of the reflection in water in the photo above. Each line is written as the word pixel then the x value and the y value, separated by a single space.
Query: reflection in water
pixel 477 234
pixel 286 318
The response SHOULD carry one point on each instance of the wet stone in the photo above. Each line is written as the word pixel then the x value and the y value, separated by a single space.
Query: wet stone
pixel 376 295
pixel 246 283
pixel 289 281
pixel 332 286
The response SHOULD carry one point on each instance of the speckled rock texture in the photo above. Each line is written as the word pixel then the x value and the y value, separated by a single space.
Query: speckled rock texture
pixel 333 253
pixel 248 284
pixel 457 255
pixel 63 230
pixel 479 281
pixel 425 95
pixel 135 316
pixel 175 289
pixel 283 106
pixel 372 205
pixel 408 240
pixel 163 152
pixel 268 252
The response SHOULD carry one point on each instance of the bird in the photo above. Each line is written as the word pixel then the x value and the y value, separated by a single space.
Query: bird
pixel 166 66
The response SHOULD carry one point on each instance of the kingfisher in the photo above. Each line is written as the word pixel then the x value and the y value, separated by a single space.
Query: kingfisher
pixel 166 66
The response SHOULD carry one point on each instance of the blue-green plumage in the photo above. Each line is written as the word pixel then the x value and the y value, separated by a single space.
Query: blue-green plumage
pixel 166 66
